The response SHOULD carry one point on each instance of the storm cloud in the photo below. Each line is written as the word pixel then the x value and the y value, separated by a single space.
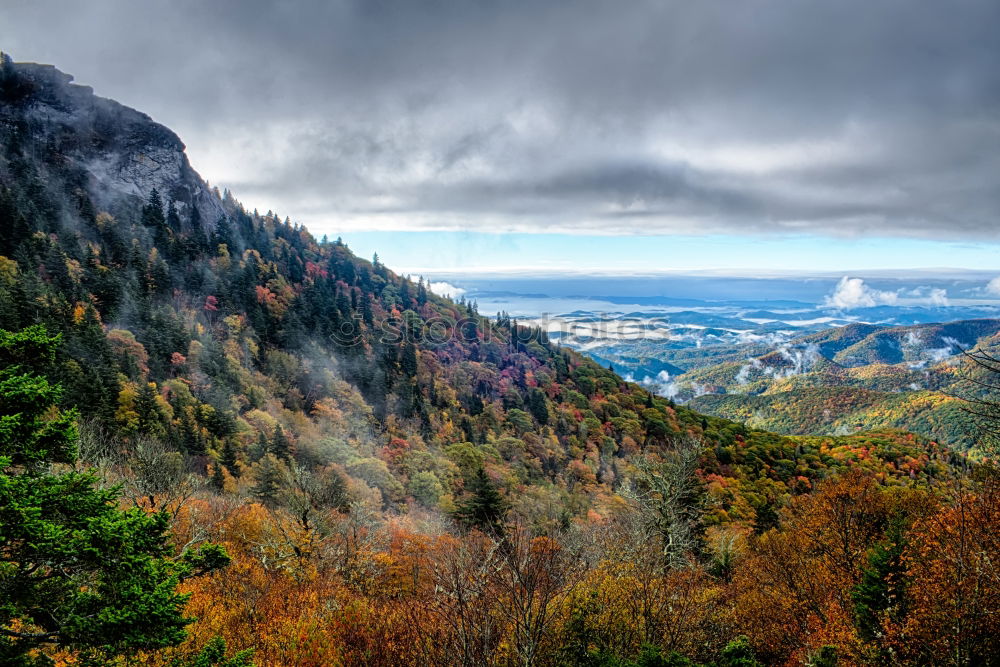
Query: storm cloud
pixel 836 118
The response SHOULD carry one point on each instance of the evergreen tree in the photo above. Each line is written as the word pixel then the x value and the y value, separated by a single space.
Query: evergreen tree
pixel 77 573
pixel 881 589
pixel 421 292
pixel 270 480
pixel 404 293
pixel 214 655
pixel 152 212
pixel 366 310
pixel 228 458
pixel 173 218
pixel 738 653
pixel 408 360
pixel 29 436
pixel 260 447
pixel 197 228
pixel 190 436
pixel 280 446
pixel 150 419
pixel 218 478
pixel 484 508
pixel 538 406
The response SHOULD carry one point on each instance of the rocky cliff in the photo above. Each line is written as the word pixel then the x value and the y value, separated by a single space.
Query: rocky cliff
pixel 118 154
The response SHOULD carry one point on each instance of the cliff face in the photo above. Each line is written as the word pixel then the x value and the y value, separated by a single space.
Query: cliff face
pixel 119 154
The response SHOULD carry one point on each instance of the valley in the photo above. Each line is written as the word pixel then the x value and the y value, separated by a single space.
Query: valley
pixel 782 365
pixel 227 442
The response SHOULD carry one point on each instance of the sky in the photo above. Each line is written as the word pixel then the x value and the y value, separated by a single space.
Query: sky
pixel 588 135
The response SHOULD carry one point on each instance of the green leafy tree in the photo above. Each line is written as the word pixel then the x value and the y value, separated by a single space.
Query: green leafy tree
pixel 426 488
pixel 76 572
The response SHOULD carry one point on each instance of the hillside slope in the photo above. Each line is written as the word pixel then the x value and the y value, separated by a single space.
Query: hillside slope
pixel 857 378
pixel 397 479
pixel 248 344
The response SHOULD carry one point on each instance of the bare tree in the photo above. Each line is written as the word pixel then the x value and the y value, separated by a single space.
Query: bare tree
pixel 464 603
pixel 151 473
pixel 352 540
pixel 667 496
pixel 984 376
pixel 535 574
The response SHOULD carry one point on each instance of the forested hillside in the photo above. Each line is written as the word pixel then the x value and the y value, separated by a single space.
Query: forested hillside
pixel 401 480
pixel 857 378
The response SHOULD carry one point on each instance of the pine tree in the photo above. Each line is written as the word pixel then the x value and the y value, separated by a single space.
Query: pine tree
pixel 366 310
pixel 260 447
pixel 421 292
pixel 214 655
pixel 738 653
pixel 79 573
pixel 270 480
pixel 29 436
pixel 408 360
pixel 485 508
pixel 197 228
pixel 152 212
pixel 173 218
pixel 404 293
pixel 228 458
pixel 280 446
pixel 190 436
pixel 150 419
pixel 537 406
pixel 880 591
pixel 218 477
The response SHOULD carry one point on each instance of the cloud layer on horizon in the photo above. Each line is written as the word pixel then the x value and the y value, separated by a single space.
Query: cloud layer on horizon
pixel 760 117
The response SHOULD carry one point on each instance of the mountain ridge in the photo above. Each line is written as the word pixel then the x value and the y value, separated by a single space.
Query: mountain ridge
pixel 218 337
pixel 857 378
pixel 77 124
pixel 368 453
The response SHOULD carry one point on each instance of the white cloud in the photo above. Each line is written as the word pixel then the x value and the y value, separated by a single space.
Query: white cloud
pixel 993 286
pixel 938 297
pixel 446 290
pixel 854 293
pixel 931 296
pixel 420 115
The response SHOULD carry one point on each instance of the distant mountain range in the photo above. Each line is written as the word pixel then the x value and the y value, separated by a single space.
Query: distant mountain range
pixel 792 361
pixel 836 381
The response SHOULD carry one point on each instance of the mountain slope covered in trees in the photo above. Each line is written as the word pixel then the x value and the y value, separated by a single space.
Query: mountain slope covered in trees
pixel 360 446
pixel 857 378
pixel 240 337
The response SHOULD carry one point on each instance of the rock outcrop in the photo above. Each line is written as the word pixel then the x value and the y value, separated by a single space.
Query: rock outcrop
pixel 119 153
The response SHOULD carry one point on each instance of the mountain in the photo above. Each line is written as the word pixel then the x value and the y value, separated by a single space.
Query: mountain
pixel 348 435
pixel 857 378
pixel 186 317
pixel 117 154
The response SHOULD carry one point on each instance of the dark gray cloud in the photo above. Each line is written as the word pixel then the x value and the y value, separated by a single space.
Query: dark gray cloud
pixel 763 116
